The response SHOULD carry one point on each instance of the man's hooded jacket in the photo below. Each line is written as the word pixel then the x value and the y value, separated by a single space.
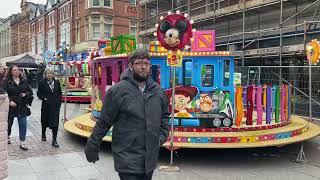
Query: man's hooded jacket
pixel 140 124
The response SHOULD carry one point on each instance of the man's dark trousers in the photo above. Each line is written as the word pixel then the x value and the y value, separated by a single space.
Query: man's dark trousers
pixel 125 176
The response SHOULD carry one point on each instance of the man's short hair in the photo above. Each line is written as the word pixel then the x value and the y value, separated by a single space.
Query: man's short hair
pixel 139 54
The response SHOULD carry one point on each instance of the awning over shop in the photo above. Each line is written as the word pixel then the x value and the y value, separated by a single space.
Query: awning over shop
pixel 37 58
pixel 25 61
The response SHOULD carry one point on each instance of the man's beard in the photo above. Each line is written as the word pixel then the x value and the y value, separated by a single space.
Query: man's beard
pixel 139 78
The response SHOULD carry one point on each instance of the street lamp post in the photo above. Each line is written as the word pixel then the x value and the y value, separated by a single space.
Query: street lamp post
pixel 64 50
pixel 67 49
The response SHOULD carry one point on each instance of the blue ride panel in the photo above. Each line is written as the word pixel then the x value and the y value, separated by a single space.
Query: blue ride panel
pixel 190 122
pixel 175 122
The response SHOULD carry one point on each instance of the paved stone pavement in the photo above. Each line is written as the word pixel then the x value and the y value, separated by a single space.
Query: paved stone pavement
pixel 68 162
pixel 33 140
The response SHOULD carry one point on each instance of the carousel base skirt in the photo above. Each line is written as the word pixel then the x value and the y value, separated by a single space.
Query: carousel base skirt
pixel 297 130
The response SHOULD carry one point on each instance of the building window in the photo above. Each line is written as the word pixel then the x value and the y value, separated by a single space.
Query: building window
pixel 52 41
pixel 133 2
pixel 95 27
pixel 78 31
pixel 107 3
pixel 133 27
pixel 101 3
pixel 65 12
pixel 40 44
pixel 61 13
pixel 51 19
pixel 65 33
pixel 95 3
pixel 33 29
pixel 41 25
pixel 108 27
pixel 69 10
pixel 100 27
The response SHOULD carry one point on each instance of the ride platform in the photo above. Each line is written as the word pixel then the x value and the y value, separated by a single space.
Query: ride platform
pixel 279 134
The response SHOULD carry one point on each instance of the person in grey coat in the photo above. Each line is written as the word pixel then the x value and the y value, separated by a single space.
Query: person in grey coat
pixel 137 108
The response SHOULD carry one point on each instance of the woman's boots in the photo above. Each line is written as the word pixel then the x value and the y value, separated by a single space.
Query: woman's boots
pixel 54 137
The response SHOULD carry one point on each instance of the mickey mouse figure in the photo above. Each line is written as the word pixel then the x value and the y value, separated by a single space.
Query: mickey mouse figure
pixel 173 34
pixel 174 31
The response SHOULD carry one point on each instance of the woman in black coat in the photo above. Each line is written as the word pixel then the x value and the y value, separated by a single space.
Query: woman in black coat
pixel 20 97
pixel 2 79
pixel 49 91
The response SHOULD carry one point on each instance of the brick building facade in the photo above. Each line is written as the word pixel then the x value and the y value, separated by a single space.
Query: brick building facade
pixel 79 23
pixel 101 19
pixel 20 30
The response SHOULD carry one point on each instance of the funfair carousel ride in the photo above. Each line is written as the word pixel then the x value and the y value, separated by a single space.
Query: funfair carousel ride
pixel 209 110
pixel 78 80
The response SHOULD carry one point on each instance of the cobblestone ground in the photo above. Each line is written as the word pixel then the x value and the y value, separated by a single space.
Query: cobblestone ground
pixel 33 140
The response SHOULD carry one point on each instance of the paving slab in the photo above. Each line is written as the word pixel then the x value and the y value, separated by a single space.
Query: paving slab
pixel 54 175
pixel 85 172
pixel 18 167
pixel 69 160
pixel 32 176
pixel 44 164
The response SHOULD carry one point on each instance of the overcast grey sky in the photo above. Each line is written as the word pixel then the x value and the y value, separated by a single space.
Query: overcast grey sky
pixel 8 7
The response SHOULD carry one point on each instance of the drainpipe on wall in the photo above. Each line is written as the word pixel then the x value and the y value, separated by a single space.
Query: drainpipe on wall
pixel 4 108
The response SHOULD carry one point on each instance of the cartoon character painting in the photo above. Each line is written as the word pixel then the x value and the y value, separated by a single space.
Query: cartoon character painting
pixel 216 102
pixel 225 106
pixel 183 96
pixel 206 103
pixel 97 102
pixel 189 103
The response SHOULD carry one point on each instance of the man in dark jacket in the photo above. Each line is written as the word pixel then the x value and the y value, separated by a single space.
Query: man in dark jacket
pixel 137 108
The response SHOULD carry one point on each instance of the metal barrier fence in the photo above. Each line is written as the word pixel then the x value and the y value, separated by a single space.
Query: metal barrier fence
pixel 297 76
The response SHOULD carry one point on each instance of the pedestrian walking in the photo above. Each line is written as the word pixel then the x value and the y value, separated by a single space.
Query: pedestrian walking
pixel 137 108
pixel 2 79
pixel 20 97
pixel 49 91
